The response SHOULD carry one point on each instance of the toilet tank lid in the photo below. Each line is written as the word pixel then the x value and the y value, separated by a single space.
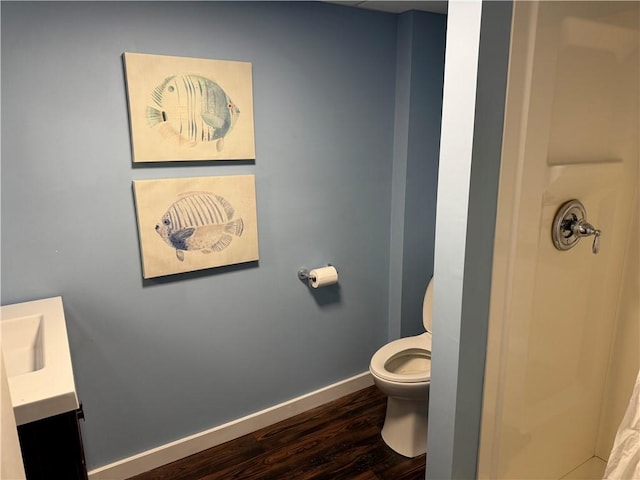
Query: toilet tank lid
pixel 427 307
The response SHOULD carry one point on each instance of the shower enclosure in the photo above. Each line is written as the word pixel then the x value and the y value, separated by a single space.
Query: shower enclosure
pixel 563 342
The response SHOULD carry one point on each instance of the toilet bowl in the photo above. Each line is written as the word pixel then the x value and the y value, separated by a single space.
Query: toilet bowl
pixel 401 369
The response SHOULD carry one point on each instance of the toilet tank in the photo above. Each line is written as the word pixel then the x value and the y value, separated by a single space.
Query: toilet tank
pixel 427 306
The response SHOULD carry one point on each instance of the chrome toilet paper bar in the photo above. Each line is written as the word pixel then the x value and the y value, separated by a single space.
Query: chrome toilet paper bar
pixel 319 277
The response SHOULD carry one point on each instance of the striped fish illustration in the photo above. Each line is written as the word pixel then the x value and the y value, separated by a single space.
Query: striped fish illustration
pixel 191 109
pixel 199 221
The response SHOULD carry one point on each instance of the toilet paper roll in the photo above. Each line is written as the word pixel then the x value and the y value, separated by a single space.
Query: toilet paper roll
pixel 321 277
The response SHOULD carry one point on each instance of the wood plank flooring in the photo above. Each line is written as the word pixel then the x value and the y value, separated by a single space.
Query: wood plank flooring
pixel 337 441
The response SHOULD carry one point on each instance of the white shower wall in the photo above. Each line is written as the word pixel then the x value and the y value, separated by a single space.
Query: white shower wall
pixel 563 335
pixel 625 348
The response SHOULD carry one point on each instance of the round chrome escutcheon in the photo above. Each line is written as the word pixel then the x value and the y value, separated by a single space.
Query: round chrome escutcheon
pixel 568 214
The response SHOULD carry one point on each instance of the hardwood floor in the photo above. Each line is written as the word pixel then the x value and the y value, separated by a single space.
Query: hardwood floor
pixel 337 441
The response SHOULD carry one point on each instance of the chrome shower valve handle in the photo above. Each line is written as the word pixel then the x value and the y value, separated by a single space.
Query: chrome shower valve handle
pixel 570 225
pixel 595 248
pixel 582 229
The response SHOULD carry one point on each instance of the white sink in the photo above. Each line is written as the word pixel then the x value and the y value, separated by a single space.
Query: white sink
pixel 23 344
pixel 37 358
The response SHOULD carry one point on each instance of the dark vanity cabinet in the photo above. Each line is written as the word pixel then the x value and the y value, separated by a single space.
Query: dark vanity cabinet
pixel 52 447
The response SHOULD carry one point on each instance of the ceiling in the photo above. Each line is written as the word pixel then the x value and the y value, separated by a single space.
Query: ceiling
pixel 435 6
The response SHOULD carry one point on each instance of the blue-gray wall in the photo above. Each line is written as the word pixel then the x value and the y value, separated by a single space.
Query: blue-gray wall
pixel 419 80
pixel 477 60
pixel 158 360
pixel 423 149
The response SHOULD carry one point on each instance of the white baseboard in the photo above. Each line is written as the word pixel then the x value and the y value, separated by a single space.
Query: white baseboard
pixel 170 452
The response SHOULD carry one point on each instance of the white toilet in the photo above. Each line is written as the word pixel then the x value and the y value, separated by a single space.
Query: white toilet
pixel 402 370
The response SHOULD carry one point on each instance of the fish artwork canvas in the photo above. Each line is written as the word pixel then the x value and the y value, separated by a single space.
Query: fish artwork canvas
pixel 184 108
pixel 188 224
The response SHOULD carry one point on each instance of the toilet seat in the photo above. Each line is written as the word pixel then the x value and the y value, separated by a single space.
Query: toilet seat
pixel 419 346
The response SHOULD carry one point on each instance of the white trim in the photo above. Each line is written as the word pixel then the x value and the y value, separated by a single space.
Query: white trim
pixel 170 452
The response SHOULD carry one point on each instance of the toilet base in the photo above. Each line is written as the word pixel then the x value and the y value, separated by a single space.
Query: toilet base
pixel 405 426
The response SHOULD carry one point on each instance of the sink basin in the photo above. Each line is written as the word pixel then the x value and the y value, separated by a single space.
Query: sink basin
pixel 22 342
pixel 37 358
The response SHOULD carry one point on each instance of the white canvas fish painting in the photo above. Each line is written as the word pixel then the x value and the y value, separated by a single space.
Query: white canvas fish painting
pixel 188 224
pixel 184 108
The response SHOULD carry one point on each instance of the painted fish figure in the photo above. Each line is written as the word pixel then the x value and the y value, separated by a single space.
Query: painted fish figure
pixel 199 221
pixel 191 109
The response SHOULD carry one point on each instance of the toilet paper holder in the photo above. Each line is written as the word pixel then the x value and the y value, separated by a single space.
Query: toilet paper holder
pixel 303 273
